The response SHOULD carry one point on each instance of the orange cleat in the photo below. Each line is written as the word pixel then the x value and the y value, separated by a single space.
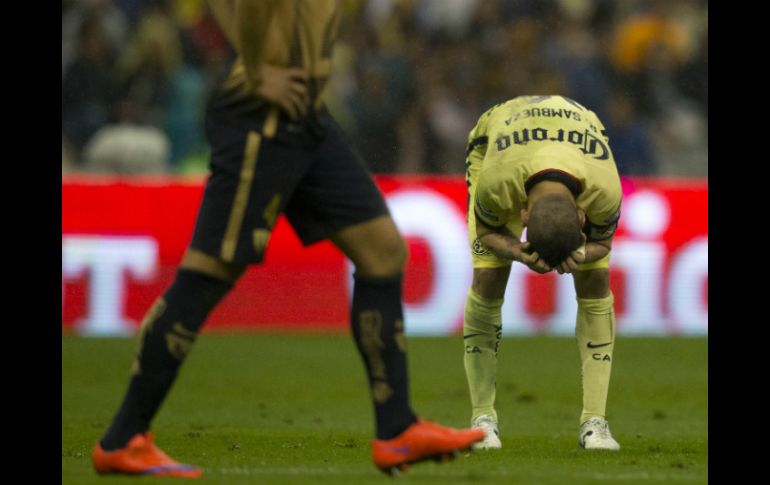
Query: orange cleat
pixel 422 441
pixel 140 457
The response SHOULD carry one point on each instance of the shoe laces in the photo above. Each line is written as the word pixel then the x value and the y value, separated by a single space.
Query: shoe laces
pixel 484 422
pixel 601 428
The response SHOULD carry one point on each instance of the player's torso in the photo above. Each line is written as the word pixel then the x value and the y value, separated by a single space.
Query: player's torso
pixel 530 134
pixel 300 35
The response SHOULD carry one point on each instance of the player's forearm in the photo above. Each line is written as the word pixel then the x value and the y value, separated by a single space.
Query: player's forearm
pixel 501 244
pixel 252 21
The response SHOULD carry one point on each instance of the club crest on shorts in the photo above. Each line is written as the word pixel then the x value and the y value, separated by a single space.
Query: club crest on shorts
pixel 478 248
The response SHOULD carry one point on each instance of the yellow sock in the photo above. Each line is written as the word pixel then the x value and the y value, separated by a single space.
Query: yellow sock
pixel 595 332
pixel 482 330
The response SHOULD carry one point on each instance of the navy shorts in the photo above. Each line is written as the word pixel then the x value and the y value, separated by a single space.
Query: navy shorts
pixel 319 183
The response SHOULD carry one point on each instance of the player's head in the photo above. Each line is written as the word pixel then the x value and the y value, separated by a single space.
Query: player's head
pixel 554 227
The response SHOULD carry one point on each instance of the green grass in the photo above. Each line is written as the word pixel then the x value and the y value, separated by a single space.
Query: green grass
pixel 294 409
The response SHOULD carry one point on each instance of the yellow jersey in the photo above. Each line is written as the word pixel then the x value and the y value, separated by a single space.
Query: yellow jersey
pixel 529 139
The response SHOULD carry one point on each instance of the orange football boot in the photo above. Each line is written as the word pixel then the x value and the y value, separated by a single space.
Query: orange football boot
pixel 140 457
pixel 423 440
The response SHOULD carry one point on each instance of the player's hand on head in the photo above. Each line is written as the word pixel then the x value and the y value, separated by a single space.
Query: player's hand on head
pixel 568 265
pixel 572 262
pixel 286 88
pixel 532 260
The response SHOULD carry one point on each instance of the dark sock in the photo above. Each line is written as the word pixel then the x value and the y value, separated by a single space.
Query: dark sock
pixel 168 332
pixel 378 328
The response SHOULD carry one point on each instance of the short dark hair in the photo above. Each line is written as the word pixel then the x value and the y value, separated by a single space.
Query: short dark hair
pixel 553 228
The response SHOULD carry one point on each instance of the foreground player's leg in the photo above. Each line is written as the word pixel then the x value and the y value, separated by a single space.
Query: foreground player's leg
pixel 595 332
pixel 168 333
pixel 377 320
pixel 482 332
pixel 379 254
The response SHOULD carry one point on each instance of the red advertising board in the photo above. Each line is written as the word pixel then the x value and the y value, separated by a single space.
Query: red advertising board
pixel 122 240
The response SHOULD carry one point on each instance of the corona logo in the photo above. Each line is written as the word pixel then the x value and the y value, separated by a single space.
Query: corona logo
pixel 107 261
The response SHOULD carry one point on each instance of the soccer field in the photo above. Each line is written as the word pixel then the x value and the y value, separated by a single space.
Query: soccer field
pixel 294 409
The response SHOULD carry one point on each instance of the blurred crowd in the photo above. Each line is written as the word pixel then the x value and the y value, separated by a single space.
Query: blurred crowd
pixel 411 78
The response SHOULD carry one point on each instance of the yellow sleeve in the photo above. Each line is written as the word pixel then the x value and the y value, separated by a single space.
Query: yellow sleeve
pixel 603 215
pixel 493 201
pixel 478 140
pixel 485 208
pixel 599 229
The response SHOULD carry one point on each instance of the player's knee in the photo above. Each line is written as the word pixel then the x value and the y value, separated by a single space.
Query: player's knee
pixel 397 255
pixel 386 257
pixel 592 284
pixel 490 282
pixel 375 247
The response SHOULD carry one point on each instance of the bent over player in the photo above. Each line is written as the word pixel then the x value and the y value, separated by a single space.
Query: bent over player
pixel 541 163
pixel 275 149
